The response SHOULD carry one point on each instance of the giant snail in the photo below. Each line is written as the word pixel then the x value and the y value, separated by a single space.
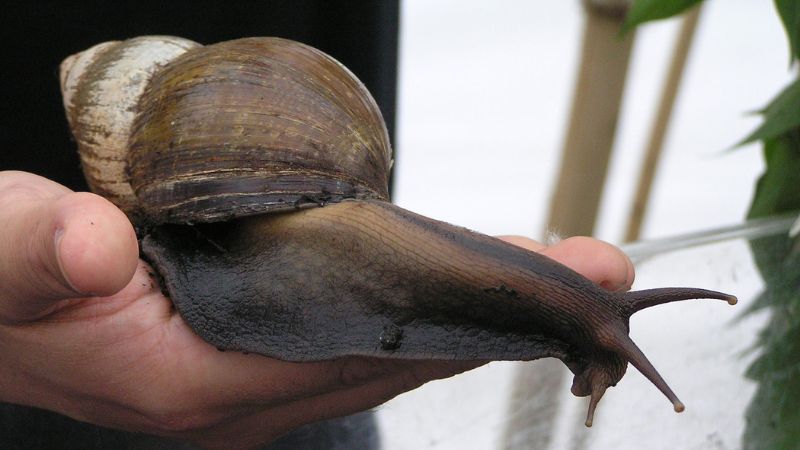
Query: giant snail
pixel 256 172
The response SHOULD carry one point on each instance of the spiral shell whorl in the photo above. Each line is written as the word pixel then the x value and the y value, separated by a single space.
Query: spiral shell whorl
pixel 251 126
pixel 101 87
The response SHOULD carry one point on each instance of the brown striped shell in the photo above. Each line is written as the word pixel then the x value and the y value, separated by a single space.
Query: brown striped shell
pixel 101 87
pixel 227 130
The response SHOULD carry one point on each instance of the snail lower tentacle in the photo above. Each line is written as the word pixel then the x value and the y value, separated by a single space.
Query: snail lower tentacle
pixel 369 278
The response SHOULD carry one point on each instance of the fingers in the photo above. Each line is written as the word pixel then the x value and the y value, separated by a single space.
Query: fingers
pixel 373 393
pixel 599 261
pixel 58 244
pixel 263 425
pixel 526 243
pixel 96 245
pixel 262 381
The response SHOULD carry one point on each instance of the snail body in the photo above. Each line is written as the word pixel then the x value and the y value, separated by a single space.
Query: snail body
pixel 257 170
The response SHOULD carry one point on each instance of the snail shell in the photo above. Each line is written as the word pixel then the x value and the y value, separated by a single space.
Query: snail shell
pixel 232 129
pixel 196 134
pixel 101 88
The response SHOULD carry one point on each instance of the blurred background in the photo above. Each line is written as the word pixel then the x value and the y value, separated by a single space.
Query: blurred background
pixel 484 99
pixel 486 91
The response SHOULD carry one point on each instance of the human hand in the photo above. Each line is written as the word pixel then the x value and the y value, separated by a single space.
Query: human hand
pixel 85 331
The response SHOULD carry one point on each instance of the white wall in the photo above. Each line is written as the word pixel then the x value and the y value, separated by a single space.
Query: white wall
pixel 485 89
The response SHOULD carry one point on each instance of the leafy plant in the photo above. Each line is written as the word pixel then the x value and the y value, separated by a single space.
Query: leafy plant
pixel 773 416
pixel 648 10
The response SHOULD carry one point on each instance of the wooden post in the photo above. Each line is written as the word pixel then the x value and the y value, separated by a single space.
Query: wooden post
pixel 593 122
pixel 660 124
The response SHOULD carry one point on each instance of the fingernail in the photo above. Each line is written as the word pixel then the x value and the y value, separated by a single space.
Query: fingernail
pixel 613 287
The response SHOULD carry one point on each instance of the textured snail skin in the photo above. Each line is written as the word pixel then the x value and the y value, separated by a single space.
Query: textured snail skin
pixel 257 171
pixel 368 278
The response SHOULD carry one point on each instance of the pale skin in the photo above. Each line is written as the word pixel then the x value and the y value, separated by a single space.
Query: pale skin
pixel 86 332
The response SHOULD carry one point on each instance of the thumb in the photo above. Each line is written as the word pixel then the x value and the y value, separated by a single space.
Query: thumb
pixel 58 244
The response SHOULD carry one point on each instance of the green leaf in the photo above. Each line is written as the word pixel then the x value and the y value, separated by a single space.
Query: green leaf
pixel 789 10
pixel 782 340
pixel 772 418
pixel 782 114
pixel 647 10
pixel 778 189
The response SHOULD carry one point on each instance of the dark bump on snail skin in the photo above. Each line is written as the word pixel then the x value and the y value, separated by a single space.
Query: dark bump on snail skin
pixel 391 337
pixel 502 289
